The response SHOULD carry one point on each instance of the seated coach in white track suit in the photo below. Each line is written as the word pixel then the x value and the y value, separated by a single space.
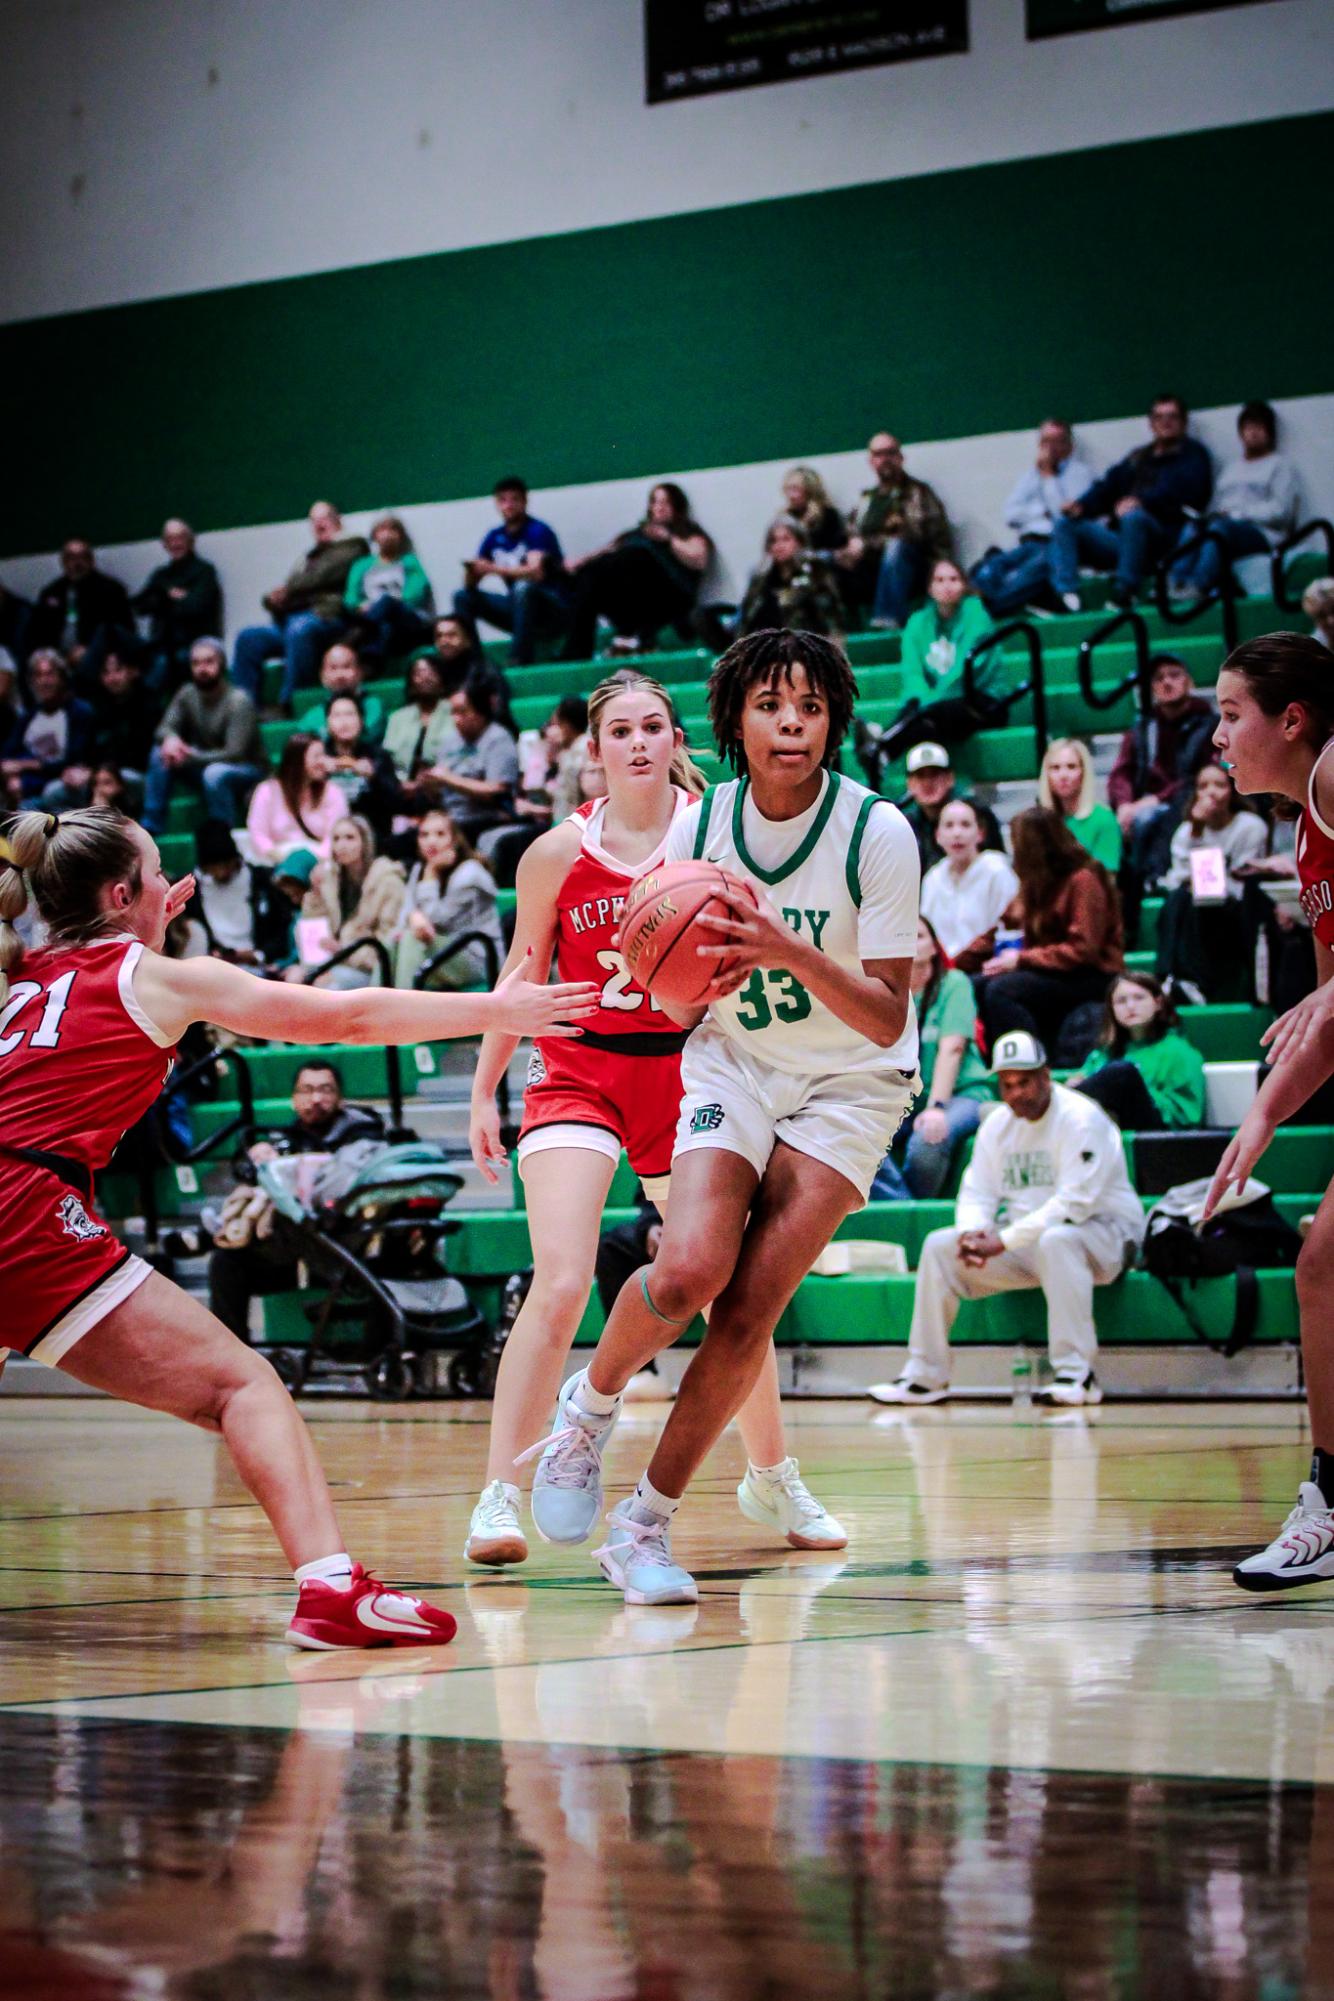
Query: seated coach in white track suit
pixel 1045 1201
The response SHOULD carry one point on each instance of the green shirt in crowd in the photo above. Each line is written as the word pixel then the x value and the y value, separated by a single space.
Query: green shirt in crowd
pixel 952 1012
pixel 316 719
pixel 1173 1073
pixel 935 648
pixel 1099 834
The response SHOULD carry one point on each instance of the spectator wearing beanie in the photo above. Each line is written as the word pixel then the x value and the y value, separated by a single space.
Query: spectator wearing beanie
pixel 1072 936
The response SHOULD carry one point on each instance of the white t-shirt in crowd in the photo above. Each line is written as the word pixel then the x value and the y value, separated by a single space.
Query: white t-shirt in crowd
pixel 960 908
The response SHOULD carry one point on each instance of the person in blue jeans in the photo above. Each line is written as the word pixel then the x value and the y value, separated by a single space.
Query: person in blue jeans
pixel 307 610
pixel 1008 579
pixel 955 1080
pixel 1254 506
pixel 210 738
pixel 1132 516
pixel 525 556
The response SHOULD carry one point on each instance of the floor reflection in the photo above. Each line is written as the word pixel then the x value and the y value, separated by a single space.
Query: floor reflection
pixel 195 1862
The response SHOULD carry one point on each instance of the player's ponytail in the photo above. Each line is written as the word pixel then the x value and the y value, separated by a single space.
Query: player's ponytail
pixel 684 771
pixel 65 861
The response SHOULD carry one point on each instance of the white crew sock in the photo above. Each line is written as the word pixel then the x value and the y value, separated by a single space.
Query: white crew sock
pixel 333 1570
pixel 771 1472
pixel 649 1505
pixel 590 1401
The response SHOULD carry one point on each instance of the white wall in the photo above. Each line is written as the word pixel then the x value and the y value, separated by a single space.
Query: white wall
pixel 150 147
pixel 972 475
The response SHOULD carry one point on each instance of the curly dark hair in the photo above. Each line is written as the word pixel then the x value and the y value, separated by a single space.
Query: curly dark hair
pixel 769 657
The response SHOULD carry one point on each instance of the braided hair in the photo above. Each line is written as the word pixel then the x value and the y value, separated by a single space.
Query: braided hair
pixel 767 658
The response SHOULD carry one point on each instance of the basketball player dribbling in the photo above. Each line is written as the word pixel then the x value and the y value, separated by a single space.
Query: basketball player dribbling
pixel 88 1028
pixel 799 1069
pixel 1275 730
pixel 618 1086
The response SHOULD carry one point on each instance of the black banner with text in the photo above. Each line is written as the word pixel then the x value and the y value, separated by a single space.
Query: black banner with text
pixel 1071 17
pixel 695 47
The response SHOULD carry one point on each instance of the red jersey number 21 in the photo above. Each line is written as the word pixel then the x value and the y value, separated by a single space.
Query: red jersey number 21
pixel 46 1035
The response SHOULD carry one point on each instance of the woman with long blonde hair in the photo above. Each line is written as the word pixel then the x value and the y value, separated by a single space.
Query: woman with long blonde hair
pixel 618 1087
pixel 1067 785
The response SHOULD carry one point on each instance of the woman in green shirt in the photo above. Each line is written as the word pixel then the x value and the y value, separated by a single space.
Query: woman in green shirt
pixel 955 1081
pixel 1067 785
pixel 1143 1072
pixel 936 642
pixel 388 596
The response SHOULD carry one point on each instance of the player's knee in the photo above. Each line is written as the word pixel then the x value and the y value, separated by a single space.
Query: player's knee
pixel 228 1377
pixel 559 1299
pixel 1315 1273
pixel 1057 1245
pixel 682 1282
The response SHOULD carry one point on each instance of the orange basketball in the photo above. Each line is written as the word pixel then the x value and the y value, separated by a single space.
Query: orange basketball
pixel 660 934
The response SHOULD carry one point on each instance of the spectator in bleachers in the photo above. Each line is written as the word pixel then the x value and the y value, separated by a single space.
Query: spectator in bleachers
pixel 550 760
pixel 51 746
pixel 81 612
pixel 476 769
pixel 125 715
pixel 1008 579
pixel 965 896
pixel 15 617
pixel 209 737
pixel 342 673
pixel 806 500
pixel 182 602
pixel 897 530
pixel 931 786
pixel 1046 1202
pixel 358 894
pixel 1067 784
pixel 449 892
pixel 307 610
pixel 456 652
pixel 227 896
pixel 1072 936
pixel 361 770
pixel 413 734
pixel 1318 604
pixel 1142 1070
pixel 1254 506
pixel 936 642
pixel 524 555
pixel 321 1123
pixel 1205 940
pixel 388 600
pixel 11 703
pixel 1132 516
pixel 1156 765
pixel 649 577
pixel 955 1080
pixel 298 807
pixel 107 788
pixel 792 589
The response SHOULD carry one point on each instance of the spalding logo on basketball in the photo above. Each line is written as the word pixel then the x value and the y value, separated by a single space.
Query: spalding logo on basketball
pixel 660 934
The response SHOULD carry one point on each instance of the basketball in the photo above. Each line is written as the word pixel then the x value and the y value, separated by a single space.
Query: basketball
pixel 660 931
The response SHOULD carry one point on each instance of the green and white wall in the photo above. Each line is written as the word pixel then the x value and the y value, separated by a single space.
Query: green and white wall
pixel 382 250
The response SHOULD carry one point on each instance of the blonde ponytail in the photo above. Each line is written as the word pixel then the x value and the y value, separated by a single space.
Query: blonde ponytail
pixel 22 845
pixel 65 862
pixel 628 680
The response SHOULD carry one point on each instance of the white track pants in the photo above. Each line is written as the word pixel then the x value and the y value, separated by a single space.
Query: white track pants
pixel 1067 1262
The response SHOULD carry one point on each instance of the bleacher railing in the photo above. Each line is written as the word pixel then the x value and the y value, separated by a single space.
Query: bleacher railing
pixel 1138 677
pixel 1278 578
pixel 1179 611
pixel 393 1068
pixel 491 955
pixel 1035 685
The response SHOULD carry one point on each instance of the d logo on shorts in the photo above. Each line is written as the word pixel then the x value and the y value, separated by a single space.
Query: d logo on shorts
pixel 76 1222
pixel 706 1118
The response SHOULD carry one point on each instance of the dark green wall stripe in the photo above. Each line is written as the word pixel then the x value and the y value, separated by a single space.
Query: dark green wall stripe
pixel 956 303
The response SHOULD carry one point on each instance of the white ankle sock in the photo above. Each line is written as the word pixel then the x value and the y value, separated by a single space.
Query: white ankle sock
pixel 592 1402
pixel 650 1504
pixel 771 1472
pixel 510 1491
pixel 333 1570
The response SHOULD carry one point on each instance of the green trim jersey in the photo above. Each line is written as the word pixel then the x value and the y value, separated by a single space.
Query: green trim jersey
pixel 845 875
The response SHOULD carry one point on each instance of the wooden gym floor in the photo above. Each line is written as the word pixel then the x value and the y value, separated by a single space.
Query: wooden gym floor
pixel 1023 1736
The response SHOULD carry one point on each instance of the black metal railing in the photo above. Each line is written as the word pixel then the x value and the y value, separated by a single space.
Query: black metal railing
pixel 491 956
pixel 1184 611
pixel 244 1116
pixel 393 1067
pixel 1035 685
pixel 1138 677
pixel 1278 579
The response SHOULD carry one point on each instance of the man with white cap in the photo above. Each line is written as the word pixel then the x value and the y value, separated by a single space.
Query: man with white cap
pixel 931 786
pixel 1046 1201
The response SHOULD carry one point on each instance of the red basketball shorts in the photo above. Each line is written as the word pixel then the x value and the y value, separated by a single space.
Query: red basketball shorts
pixel 61 1269
pixel 604 1100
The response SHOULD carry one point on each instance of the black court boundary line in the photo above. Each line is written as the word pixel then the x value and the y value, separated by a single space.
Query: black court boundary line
pixel 62 1704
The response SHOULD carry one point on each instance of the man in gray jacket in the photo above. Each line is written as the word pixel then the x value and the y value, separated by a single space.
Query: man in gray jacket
pixel 1045 1201
pixel 209 737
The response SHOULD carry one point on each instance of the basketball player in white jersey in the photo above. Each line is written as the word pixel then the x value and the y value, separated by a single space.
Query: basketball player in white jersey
pixel 802 1063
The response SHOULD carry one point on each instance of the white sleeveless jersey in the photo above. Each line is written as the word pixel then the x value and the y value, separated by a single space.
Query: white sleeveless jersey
pixel 845 875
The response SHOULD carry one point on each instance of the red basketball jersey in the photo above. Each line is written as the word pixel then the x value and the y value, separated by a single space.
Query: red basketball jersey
pixel 588 911
pixel 1315 867
pixel 80 1061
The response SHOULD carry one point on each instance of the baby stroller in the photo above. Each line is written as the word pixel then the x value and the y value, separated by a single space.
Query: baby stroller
pixel 371 1225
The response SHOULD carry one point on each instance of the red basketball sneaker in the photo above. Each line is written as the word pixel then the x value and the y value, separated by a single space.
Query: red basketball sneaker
pixel 365 1615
